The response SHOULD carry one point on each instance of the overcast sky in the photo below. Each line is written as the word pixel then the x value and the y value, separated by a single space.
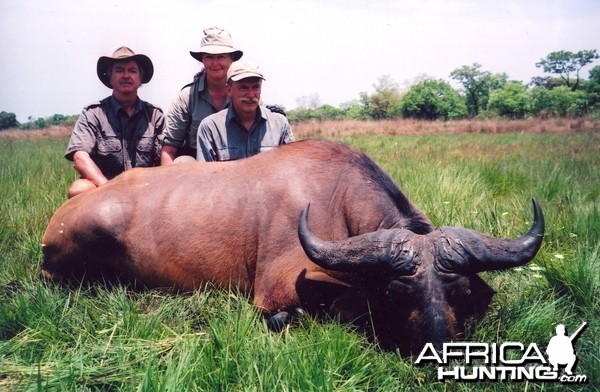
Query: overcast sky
pixel 333 48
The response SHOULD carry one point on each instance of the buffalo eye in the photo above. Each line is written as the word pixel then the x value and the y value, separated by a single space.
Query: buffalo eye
pixel 459 289
pixel 399 288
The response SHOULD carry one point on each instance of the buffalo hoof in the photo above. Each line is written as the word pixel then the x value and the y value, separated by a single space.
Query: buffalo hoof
pixel 279 321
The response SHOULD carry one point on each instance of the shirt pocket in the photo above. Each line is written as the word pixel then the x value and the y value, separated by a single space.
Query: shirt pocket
pixel 146 152
pixel 229 154
pixel 108 145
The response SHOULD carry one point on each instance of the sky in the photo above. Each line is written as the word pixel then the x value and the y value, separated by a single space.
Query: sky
pixel 332 49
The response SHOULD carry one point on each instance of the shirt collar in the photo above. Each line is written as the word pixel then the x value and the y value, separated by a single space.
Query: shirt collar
pixel 116 106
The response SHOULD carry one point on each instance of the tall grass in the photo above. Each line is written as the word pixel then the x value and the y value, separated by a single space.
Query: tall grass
pixel 99 338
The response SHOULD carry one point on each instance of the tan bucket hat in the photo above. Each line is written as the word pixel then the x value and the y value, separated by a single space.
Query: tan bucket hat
pixel 216 41
pixel 242 70
pixel 123 54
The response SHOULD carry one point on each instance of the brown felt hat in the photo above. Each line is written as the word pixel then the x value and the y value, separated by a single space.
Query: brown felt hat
pixel 124 54
pixel 216 40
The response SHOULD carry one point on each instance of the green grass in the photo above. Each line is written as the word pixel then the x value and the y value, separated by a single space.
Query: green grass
pixel 68 339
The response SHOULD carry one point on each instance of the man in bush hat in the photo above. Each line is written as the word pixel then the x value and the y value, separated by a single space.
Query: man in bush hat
pixel 119 132
pixel 246 127
pixel 207 94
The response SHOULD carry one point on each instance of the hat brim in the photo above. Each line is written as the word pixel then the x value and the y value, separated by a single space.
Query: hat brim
pixel 217 49
pixel 143 62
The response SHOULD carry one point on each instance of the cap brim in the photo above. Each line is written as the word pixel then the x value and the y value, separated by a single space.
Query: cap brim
pixel 246 75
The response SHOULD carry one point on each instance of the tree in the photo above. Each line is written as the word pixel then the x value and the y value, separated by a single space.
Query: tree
pixel 8 120
pixel 547 82
pixel 312 101
pixel 540 101
pixel 566 102
pixel 433 99
pixel 565 63
pixel 355 109
pixel 57 119
pixel 510 101
pixel 384 103
pixel 559 102
pixel 592 86
pixel 40 123
pixel 477 84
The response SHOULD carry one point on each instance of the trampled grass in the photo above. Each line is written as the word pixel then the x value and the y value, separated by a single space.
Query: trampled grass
pixel 98 338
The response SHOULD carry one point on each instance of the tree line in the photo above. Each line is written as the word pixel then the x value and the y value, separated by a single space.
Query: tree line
pixel 482 94
pixel 9 120
pixel 562 93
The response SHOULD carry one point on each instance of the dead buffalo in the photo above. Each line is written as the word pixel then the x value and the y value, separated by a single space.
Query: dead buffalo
pixel 364 252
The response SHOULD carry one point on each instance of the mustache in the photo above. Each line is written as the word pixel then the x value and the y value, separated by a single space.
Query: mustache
pixel 250 100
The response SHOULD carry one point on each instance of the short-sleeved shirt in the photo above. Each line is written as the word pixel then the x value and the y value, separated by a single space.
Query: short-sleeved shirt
pixel 221 137
pixel 187 110
pixel 115 141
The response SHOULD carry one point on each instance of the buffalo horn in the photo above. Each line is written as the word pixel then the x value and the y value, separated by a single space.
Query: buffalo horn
pixel 466 251
pixel 371 252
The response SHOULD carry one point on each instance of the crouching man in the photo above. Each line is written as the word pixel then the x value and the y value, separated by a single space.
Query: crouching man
pixel 119 132
pixel 245 128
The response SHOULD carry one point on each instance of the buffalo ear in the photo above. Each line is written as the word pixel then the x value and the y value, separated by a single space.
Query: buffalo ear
pixel 481 296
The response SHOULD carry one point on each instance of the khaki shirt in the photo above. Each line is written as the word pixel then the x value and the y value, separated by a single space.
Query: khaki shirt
pixel 221 137
pixel 187 110
pixel 115 141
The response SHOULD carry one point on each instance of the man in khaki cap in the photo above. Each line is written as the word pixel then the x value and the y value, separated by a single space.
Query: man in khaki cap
pixel 207 94
pixel 119 132
pixel 246 127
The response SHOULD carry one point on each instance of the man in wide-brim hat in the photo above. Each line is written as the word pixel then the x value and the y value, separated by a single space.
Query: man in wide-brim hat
pixel 105 63
pixel 205 95
pixel 119 132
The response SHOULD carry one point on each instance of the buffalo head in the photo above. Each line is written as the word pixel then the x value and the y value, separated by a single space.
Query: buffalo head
pixel 421 288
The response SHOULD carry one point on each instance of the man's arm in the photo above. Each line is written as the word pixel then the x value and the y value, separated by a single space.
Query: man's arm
pixel 86 167
pixel 204 142
pixel 178 121
pixel 286 135
pixel 167 154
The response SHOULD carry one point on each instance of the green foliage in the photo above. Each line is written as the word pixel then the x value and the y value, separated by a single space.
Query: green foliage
pixel 477 84
pixel 115 339
pixel 558 102
pixel 510 101
pixel 325 112
pixel 485 94
pixel 433 100
pixel 592 86
pixel 385 102
pixel 56 119
pixel 8 120
pixel 564 63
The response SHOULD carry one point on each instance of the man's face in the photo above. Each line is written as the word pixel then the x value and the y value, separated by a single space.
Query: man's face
pixel 245 95
pixel 217 65
pixel 125 77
